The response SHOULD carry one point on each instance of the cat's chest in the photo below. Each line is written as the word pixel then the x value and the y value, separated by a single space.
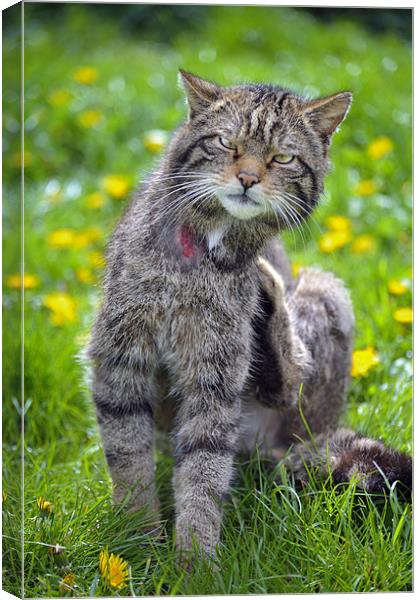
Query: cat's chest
pixel 207 287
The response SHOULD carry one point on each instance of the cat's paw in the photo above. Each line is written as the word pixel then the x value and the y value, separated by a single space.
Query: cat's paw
pixel 190 559
pixel 271 281
pixel 194 544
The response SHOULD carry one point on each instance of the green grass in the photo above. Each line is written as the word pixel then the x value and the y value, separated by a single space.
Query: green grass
pixel 274 540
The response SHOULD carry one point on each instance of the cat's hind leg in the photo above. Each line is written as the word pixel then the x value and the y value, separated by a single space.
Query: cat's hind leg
pixel 281 360
pixel 301 358
pixel 321 317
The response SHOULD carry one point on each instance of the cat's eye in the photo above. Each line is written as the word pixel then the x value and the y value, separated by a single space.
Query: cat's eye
pixel 227 144
pixel 283 159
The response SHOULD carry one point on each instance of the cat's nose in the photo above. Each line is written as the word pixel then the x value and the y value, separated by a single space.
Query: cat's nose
pixel 248 179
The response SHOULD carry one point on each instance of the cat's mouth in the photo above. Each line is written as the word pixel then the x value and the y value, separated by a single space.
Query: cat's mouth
pixel 241 206
pixel 242 198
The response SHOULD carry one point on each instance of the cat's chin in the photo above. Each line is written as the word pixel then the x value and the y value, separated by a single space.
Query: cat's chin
pixel 240 206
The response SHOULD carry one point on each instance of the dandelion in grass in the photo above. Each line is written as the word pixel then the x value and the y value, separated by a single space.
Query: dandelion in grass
pixel 45 506
pixel 403 315
pixel 338 223
pixel 86 75
pixel 69 238
pixel 67 584
pixel 96 259
pixel 81 240
pixel 397 287
pixel 85 275
pixel 89 118
pixel 62 307
pixel 95 200
pixel 333 240
pixel 59 98
pixel 363 244
pixel 363 361
pixel 367 187
pixel 87 237
pixel 380 147
pixel 17 282
pixel 94 233
pixel 113 569
pixel 155 140
pixel 61 238
pixel 117 186
pixel 295 268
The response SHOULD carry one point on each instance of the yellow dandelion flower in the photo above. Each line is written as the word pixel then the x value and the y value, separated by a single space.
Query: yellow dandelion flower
pixel 67 583
pixel 366 187
pixel 94 233
pixel 20 159
pixel 81 240
pixel 62 307
pixel 4 496
pixel 59 97
pixel 155 140
pixel 363 244
pixel 338 223
pixel 69 238
pixel 397 287
pixel 44 505
pixel 113 569
pixel 17 282
pixel 116 186
pixel 85 275
pixel 61 238
pixel 403 315
pixel 86 75
pixel 379 147
pixel 333 240
pixel 295 268
pixel 89 118
pixel 363 361
pixel 95 200
pixel 96 259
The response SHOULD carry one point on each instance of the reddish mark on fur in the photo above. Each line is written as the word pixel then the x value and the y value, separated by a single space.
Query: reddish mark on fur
pixel 187 242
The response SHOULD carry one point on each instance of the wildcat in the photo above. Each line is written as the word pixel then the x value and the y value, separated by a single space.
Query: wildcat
pixel 203 332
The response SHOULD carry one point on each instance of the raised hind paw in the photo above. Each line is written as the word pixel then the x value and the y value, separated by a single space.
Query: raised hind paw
pixel 272 283
pixel 281 340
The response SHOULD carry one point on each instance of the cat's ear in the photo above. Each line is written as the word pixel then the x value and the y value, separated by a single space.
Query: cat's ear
pixel 326 114
pixel 199 93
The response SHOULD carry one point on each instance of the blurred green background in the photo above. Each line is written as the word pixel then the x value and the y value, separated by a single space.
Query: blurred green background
pixel 101 97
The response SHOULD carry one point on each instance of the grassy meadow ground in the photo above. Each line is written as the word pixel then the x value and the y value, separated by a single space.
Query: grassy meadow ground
pixel 94 94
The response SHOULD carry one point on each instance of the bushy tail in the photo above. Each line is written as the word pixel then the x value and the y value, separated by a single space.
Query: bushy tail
pixel 345 455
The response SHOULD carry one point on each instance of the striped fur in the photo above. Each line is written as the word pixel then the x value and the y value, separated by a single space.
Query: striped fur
pixel 317 316
pixel 180 339
pixel 346 455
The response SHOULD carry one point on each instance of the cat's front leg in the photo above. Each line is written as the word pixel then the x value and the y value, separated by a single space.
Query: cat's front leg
pixel 123 395
pixel 208 377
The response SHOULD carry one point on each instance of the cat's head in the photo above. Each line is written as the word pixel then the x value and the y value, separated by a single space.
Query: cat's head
pixel 259 150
